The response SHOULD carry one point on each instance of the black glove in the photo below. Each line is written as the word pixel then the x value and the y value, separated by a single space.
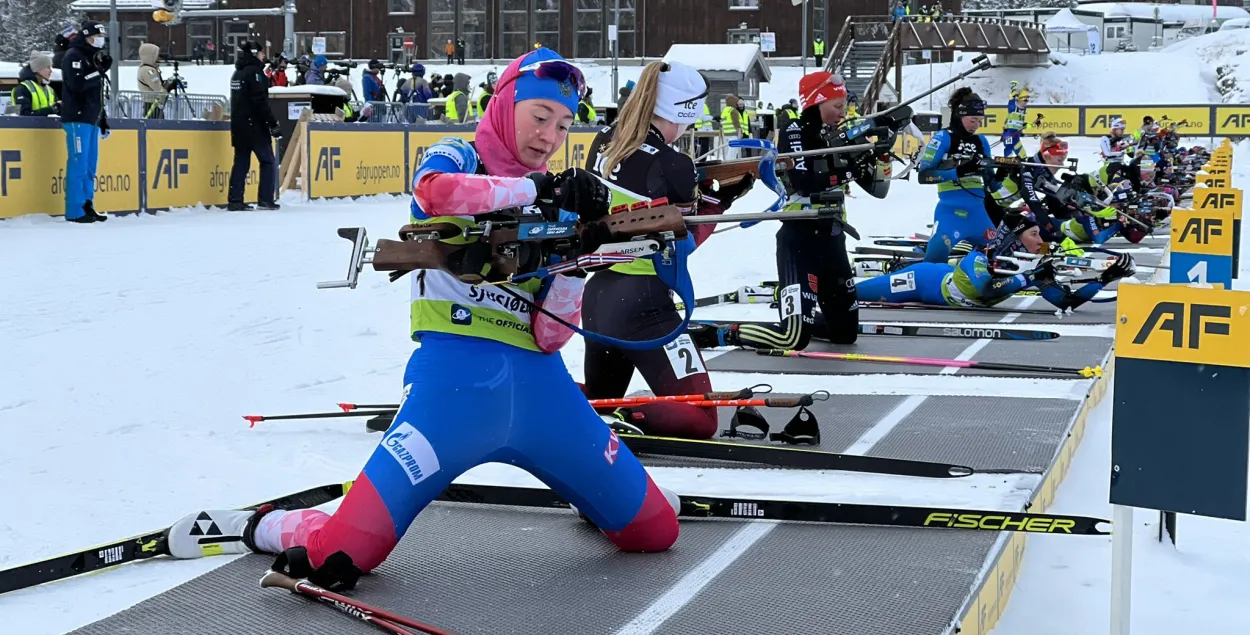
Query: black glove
pixel 103 61
pixel 1044 273
pixel 104 126
pixel 275 131
pixel 597 234
pixel 1121 268
pixel 337 573
pixel 979 165
pixel 56 108
pixel 727 194
pixel 573 190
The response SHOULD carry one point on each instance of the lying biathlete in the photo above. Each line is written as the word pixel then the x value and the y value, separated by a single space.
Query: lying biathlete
pixel 969 278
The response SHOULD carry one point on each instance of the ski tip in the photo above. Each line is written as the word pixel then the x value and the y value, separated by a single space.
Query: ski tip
pixel 252 419
pixel 959 471
pixel 347 407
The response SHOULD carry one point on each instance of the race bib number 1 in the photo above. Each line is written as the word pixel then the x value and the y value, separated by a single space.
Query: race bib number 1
pixel 684 357
pixel 790 301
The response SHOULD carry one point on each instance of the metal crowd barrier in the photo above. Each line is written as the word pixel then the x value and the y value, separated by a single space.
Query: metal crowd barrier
pixel 131 104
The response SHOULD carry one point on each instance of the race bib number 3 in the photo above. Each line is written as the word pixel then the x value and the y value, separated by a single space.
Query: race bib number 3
pixel 790 301
pixel 684 357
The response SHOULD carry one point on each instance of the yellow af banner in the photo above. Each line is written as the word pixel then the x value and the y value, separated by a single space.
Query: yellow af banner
pixel 192 167
pixel 419 142
pixel 1189 120
pixel 1061 120
pixel 32 172
pixel 1180 323
pixel 1212 180
pixel 356 162
pixel 1203 231
pixel 994 118
pixel 1218 198
pixel 579 148
pixel 1232 120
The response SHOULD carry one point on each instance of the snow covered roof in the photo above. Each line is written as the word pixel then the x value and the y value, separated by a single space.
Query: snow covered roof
pixel 306 89
pixel 134 5
pixel 1066 22
pixel 1167 12
pixel 736 58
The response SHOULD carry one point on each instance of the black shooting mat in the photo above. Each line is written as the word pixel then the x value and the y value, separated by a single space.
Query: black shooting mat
pixel 476 570
pixel 1067 351
pixel 985 433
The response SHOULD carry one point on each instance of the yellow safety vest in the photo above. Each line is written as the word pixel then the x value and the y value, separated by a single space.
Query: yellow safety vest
pixel 40 96
pixel 347 111
pixel 818 47
pixel 590 111
pixel 452 113
pixel 704 122
pixel 481 107
pixel 726 120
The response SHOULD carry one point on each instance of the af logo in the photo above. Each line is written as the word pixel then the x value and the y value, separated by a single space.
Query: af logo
pixel 1203 229
pixel 1217 200
pixel 172 164
pixel 1237 121
pixel 1104 121
pixel 1170 316
pixel 10 169
pixel 327 160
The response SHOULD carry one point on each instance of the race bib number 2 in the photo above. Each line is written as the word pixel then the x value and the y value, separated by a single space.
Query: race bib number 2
pixel 684 357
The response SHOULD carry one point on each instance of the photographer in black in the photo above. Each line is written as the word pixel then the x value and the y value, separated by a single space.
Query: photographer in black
pixel 252 127
pixel 812 264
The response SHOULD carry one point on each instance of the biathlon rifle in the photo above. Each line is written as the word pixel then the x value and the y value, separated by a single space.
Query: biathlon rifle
pixel 884 126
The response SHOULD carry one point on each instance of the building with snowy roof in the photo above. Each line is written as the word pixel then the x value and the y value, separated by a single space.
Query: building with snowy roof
pixel 1122 25
pixel 730 69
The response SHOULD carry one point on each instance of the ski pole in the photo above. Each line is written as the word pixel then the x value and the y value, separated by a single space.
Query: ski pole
pixel 254 419
pixel 1088 371
pixel 772 402
pixel 745 393
pixel 384 620
pixel 348 407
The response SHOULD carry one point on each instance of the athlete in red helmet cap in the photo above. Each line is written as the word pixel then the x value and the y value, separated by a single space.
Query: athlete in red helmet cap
pixel 812 264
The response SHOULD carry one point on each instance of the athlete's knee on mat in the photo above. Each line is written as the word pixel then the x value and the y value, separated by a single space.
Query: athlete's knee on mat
pixel 362 527
pixel 654 527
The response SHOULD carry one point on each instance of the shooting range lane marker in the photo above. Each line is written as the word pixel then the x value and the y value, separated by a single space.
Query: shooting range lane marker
pixel 875 434
pixel 689 586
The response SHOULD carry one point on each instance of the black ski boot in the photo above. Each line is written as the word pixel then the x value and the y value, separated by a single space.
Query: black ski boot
pixel 238 207
pixel 268 206
pixel 707 335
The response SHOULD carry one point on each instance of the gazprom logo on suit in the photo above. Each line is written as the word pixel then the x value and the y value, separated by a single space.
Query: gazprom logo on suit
pixel 327 162
pixel 461 315
pixel 10 169
pixel 412 451
pixel 172 164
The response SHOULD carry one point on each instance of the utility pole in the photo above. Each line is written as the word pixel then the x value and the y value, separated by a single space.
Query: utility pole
pixel 616 49
pixel 114 52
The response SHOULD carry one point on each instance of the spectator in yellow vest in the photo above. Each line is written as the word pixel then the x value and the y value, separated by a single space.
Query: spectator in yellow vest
pixel 458 110
pixel 586 109
pixel 33 96
pixel 818 49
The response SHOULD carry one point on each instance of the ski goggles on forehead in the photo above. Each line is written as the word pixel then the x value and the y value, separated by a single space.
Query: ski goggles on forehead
pixel 1055 146
pixel 970 108
pixel 558 71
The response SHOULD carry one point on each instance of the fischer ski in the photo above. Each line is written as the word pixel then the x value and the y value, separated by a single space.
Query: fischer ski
pixel 141 547
pixel 788 457
pixel 805 511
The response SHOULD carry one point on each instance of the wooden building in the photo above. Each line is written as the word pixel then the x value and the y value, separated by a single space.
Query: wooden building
pixel 399 30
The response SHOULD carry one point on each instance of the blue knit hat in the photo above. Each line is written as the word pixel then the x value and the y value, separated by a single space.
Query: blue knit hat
pixel 531 86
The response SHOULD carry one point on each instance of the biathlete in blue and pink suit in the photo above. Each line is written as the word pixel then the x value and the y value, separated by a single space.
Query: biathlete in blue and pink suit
pixel 487 383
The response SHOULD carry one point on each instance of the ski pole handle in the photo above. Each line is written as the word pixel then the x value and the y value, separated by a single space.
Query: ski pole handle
pixel 274 579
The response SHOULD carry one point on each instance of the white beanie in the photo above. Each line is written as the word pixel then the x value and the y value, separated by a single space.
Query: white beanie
pixel 682 91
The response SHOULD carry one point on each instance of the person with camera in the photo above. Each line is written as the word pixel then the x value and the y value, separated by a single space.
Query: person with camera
pixel 154 89
pixel 371 83
pixel 316 73
pixel 812 264
pixel 252 128
pixel 276 71
pixel 83 118
pixel 33 96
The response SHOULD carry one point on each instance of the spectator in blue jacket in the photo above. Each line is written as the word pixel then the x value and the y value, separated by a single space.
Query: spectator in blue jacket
pixel 83 118
pixel 316 75
pixel 371 84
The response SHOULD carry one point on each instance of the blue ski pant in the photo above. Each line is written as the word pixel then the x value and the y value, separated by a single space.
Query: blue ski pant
pixel 82 144
pixel 921 282
pixel 471 401
pixel 958 216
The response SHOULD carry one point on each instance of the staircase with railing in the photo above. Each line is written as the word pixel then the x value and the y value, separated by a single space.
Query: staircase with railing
pixel 867 47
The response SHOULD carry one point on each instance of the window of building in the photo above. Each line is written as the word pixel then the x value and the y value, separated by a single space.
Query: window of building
pixel 400 47
pixel 441 27
pixel 1116 31
pixel 744 5
pixel 135 33
pixel 474 28
pixel 589 27
pixel 199 33
pixel 304 42
pixel 592 21
pixel 401 6
pixel 336 41
pixel 818 17
pixel 524 22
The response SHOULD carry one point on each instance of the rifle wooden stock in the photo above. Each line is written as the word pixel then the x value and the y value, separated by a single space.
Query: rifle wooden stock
pixel 499 254
pixel 731 172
